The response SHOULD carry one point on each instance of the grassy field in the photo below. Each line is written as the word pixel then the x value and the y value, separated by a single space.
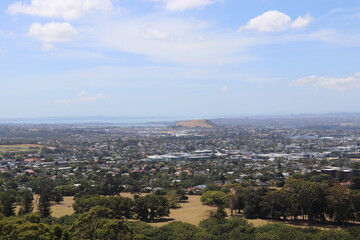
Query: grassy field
pixel 192 211
pixel 20 148
pixel 58 210
pixel 64 208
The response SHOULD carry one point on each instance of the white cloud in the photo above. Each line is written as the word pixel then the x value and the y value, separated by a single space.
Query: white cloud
pixel 150 33
pixel 275 21
pixel 182 5
pixel 65 9
pixel 224 88
pixel 271 21
pixel 90 98
pixel 302 21
pixel 187 41
pixel 53 32
pixel 81 93
pixel 82 96
pixel 338 84
pixel 62 101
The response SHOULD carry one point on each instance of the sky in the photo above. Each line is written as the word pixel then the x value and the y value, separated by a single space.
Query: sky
pixel 178 58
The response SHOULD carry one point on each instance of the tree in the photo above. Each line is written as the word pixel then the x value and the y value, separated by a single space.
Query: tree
pixel 230 202
pixel 355 204
pixel 228 229
pixel 355 183
pixel 109 186
pixel 88 223
pixel 173 198
pixel 26 201
pixel 151 206
pixel 177 231
pixel 274 204
pixel 56 196
pixel 307 199
pixel 44 206
pixel 339 203
pixel 7 200
pixel 121 206
pixel 213 198
pixel 112 229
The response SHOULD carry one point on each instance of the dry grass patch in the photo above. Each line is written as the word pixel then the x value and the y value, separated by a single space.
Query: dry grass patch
pixel 20 148
pixel 64 208
pixel 192 212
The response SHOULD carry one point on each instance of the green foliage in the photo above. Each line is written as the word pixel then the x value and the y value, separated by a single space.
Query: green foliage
pixel 233 229
pixel 213 198
pixel 68 190
pixel 339 203
pixel 121 206
pixel 281 231
pixel 7 200
pixel 151 207
pixel 33 218
pixel 333 235
pixel 176 231
pixel 26 201
pixel 56 196
pixel 173 198
pixel 112 229
pixel 88 223
pixel 44 206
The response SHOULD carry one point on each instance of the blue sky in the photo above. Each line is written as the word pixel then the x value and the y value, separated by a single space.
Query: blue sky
pixel 178 58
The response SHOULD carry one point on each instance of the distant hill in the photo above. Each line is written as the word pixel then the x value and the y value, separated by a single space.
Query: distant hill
pixel 202 123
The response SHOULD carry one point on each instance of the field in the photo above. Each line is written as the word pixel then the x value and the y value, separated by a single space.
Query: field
pixel 20 148
pixel 64 208
pixel 192 211
pixel 58 210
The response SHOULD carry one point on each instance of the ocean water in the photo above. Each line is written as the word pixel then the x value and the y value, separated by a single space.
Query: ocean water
pixel 117 121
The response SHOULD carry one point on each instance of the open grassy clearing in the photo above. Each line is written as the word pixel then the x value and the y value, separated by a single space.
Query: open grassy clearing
pixel 20 148
pixel 64 208
pixel 192 211
pixel 58 210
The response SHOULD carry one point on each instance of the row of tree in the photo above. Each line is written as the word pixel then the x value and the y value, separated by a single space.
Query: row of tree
pixel 298 199
pixel 100 223
pixel 146 208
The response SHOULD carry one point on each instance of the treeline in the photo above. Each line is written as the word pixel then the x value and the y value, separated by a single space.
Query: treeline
pixel 100 223
pixel 298 199
pixel 146 208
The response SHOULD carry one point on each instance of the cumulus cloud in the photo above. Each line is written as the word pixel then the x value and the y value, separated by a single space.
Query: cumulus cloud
pixel 275 21
pixel 51 33
pixel 302 21
pixel 182 5
pixel 82 96
pixel 65 9
pixel 150 33
pixel 338 84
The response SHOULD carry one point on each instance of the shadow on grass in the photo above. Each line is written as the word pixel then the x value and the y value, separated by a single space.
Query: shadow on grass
pixel 162 220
